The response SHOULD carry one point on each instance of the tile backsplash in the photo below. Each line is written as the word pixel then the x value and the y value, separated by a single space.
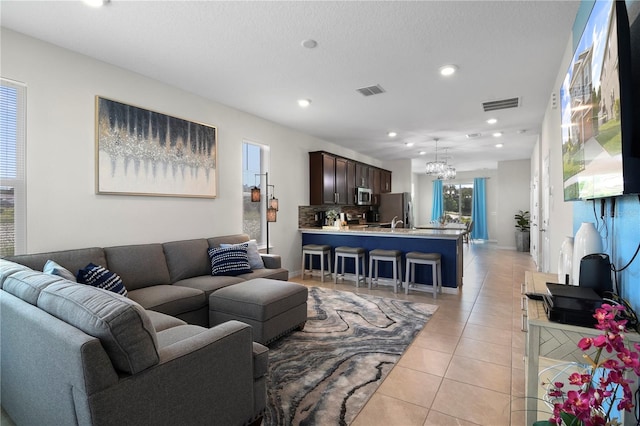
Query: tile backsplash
pixel 306 214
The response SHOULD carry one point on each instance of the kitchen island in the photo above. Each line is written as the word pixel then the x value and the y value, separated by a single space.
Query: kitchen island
pixel 447 242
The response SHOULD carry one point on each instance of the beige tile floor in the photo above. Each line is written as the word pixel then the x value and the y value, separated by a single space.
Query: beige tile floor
pixel 466 366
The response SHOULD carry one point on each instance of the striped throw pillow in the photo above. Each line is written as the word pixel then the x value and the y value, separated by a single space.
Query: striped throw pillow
pixel 101 277
pixel 230 261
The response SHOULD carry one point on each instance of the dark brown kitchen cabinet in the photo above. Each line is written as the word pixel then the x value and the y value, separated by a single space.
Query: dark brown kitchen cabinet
pixel 328 179
pixel 385 181
pixel 351 181
pixel 362 175
pixel 375 176
pixel 333 179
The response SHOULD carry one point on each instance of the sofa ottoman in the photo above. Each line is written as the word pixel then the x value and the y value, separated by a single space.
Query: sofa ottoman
pixel 272 308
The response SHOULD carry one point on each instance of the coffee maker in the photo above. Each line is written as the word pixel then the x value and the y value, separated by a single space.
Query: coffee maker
pixel 320 217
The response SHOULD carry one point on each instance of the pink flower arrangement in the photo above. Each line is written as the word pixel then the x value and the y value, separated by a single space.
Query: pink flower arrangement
pixel 584 406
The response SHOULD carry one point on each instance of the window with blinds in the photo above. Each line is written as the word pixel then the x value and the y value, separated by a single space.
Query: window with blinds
pixel 12 168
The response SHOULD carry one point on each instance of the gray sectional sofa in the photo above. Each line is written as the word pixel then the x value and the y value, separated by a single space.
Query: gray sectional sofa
pixel 76 354
pixel 173 278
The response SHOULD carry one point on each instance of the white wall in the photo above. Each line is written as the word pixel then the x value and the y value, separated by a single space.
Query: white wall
pixel 560 222
pixel 513 186
pixel 63 210
pixel 401 175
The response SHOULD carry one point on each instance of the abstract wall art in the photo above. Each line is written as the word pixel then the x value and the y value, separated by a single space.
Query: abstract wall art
pixel 143 152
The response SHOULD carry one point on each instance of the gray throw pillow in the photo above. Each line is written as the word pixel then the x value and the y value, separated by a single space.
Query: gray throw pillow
pixel 52 268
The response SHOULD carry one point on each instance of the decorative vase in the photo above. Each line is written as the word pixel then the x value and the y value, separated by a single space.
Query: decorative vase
pixel 565 262
pixel 587 241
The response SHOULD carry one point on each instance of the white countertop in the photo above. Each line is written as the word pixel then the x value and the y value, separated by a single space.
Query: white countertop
pixel 448 234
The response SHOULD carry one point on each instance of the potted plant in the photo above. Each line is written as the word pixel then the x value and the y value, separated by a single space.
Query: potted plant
pixel 523 225
pixel 331 216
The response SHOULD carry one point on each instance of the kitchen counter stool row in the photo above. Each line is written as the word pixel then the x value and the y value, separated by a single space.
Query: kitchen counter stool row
pixel 413 258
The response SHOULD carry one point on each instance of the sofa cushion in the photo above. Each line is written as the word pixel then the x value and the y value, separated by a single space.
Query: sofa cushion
pixel 162 321
pixel 73 260
pixel 121 324
pixel 101 277
pixel 208 283
pixel 255 260
pixel 140 265
pixel 52 268
pixel 169 299
pixel 8 268
pixel 187 258
pixel 27 284
pixel 229 261
pixel 274 274
pixel 176 334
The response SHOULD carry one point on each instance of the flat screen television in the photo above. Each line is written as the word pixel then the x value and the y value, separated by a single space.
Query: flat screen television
pixel 598 158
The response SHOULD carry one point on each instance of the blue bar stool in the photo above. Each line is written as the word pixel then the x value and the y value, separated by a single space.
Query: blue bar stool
pixel 379 255
pixel 322 250
pixel 355 253
pixel 417 258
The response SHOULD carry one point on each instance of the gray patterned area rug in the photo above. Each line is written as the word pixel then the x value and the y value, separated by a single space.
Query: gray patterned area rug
pixel 324 374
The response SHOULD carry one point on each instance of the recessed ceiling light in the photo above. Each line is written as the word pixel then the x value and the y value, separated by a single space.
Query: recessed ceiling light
pixel 473 135
pixel 448 70
pixel 422 152
pixel 95 3
pixel 492 121
pixel 409 144
pixel 499 145
pixel 304 102
pixel 497 134
pixel 392 134
pixel 309 43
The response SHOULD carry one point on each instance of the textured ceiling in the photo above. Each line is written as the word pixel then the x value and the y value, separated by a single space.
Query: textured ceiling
pixel 248 55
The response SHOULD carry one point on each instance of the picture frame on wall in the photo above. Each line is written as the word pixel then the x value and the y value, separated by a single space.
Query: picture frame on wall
pixel 143 152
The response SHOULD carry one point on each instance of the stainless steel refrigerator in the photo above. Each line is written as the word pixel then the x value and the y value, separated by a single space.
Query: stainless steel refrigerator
pixel 399 204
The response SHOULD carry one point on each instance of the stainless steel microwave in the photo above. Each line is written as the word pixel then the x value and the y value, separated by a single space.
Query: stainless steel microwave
pixel 364 196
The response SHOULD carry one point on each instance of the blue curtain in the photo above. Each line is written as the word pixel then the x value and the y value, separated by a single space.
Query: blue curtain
pixel 438 202
pixel 479 210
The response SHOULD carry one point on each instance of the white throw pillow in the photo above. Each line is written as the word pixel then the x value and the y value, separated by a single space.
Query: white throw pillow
pixel 255 260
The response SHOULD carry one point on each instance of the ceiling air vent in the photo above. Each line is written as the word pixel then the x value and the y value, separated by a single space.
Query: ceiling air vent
pixel 501 104
pixel 371 90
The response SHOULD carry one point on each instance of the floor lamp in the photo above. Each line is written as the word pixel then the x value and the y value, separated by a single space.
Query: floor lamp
pixel 272 201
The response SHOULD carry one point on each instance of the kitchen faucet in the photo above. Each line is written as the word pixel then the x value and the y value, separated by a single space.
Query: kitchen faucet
pixel 395 222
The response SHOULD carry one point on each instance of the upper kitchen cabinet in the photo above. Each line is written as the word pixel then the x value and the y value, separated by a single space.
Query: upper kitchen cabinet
pixel 333 179
pixel 375 176
pixel 385 181
pixel 329 179
pixel 362 175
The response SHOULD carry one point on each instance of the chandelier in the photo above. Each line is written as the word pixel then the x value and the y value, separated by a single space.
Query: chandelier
pixel 440 169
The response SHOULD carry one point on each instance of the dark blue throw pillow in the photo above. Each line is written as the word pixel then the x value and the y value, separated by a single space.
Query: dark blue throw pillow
pixel 230 261
pixel 101 277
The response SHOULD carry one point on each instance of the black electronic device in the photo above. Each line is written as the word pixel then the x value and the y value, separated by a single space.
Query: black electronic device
pixel 595 273
pixel 570 304
pixel 320 217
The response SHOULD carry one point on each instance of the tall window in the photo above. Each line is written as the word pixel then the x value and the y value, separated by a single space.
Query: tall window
pixel 254 165
pixel 12 170
pixel 457 201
